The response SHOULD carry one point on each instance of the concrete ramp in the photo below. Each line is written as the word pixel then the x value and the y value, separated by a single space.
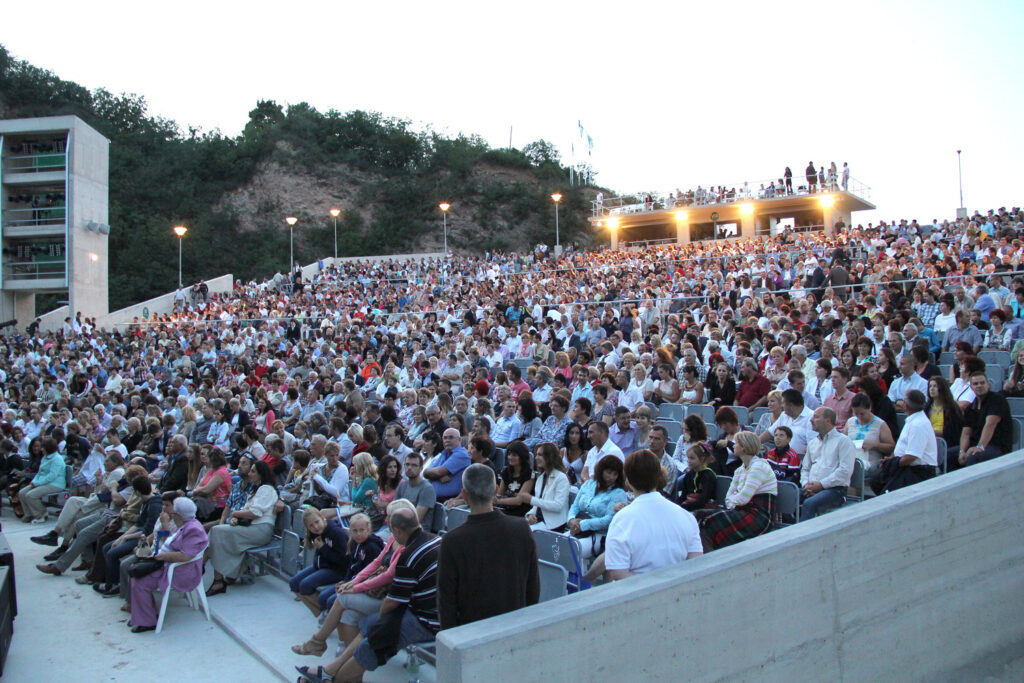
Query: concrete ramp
pixel 913 585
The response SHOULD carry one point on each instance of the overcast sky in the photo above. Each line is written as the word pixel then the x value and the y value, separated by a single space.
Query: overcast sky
pixel 672 94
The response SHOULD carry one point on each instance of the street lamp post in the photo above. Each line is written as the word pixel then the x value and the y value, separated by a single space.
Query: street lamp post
pixel 444 206
pixel 291 221
pixel 335 213
pixel 557 198
pixel 960 174
pixel 180 231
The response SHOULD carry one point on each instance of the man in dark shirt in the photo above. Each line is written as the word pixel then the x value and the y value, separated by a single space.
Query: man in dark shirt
pixel 988 427
pixel 413 596
pixel 487 566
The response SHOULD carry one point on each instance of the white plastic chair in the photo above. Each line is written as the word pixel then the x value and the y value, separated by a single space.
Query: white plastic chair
pixel 196 598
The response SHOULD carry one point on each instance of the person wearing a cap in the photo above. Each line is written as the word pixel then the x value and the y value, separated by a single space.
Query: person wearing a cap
pixel 184 544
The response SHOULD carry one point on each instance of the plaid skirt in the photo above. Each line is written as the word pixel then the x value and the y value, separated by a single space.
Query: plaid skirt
pixel 725 527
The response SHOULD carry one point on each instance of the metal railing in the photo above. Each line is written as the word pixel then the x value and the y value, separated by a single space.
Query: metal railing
pixel 34 270
pixel 42 215
pixel 759 190
pixel 36 163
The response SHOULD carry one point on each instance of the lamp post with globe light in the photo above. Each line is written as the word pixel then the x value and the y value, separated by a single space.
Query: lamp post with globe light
pixel 334 214
pixel 444 206
pixel 557 199
pixel 180 231
pixel 291 221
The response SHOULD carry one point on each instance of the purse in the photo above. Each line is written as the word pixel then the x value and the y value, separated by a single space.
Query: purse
pixel 143 550
pixel 144 567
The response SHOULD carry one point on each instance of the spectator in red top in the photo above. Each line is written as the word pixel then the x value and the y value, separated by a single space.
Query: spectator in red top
pixel 753 390
pixel 784 461
pixel 515 380
pixel 371 363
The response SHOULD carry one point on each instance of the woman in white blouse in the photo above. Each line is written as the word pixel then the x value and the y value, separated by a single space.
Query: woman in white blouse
pixel 249 527
pixel 551 490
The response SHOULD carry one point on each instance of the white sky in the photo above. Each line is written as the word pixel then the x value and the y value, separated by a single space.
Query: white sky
pixel 673 94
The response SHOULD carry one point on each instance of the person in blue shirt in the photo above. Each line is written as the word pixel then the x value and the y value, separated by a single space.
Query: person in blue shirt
pixel 51 478
pixel 446 473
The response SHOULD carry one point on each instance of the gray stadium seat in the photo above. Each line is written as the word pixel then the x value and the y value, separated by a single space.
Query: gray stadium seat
pixel 557 549
pixel 722 485
pixel 855 493
pixel 787 504
pixel 941 449
pixel 756 414
pixel 456 517
pixel 1016 406
pixel 674 429
pixel 1000 358
pixel 672 411
pixel 440 520
pixel 707 413
pixel 713 431
pixel 742 413
pixel 995 376
pixel 553 580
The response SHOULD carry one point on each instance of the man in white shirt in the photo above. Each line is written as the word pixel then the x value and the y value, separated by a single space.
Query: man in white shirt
pixel 393 439
pixel 797 417
pixel 827 467
pixel 916 454
pixel 629 395
pixel 909 379
pixel 507 427
pixel 651 532
pixel 598 434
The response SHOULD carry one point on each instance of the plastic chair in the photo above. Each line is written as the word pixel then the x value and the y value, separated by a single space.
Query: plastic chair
pixel 291 553
pixel 1000 358
pixel 1016 406
pixel 671 411
pixel 270 553
pixel 787 502
pixel 196 597
pixel 713 431
pixel 756 414
pixel 440 519
pixel 743 413
pixel 674 429
pixel 553 580
pixel 707 413
pixel 722 485
pixel 557 549
pixel 856 482
pixel 456 517
pixel 995 376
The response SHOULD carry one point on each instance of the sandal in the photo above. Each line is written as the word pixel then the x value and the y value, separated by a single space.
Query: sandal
pixel 311 647
pixel 320 676
pixel 216 588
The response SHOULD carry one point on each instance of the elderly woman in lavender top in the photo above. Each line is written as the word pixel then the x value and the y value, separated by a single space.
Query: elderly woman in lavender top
pixel 181 546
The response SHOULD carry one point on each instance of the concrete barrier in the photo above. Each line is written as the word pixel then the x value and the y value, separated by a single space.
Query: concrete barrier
pixel 912 585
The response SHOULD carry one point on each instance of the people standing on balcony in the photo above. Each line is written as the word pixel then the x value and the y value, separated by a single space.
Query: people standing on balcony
pixel 846 177
pixel 788 177
pixel 832 177
pixel 812 177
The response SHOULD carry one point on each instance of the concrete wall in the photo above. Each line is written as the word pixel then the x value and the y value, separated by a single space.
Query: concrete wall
pixel 87 191
pixel 914 585
pixel 161 304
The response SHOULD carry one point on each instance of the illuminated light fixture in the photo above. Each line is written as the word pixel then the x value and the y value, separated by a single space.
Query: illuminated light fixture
pixel 93 256
pixel 556 197
pixel 827 200
pixel 291 220
pixel 335 213
pixel 681 216
pixel 180 230
pixel 613 223
pixel 746 208
pixel 444 206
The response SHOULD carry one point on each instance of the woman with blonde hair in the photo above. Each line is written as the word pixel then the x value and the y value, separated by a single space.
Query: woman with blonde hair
pixel 364 480
pixel 750 502
pixel 330 562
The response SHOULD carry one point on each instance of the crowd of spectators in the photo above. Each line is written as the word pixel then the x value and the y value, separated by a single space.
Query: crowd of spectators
pixel 376 383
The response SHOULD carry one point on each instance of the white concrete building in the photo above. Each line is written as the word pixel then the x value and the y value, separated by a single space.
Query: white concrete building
pixel 53 215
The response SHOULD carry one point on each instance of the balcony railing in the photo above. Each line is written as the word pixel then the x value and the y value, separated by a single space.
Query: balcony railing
pixel 760 190
pixel 37 216
pixel 33 270
pixel 35 163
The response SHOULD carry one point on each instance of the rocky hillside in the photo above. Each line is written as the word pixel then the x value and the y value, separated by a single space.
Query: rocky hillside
pixel 233 193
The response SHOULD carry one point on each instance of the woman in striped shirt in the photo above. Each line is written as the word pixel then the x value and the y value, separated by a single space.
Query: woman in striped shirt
pixel 750 501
